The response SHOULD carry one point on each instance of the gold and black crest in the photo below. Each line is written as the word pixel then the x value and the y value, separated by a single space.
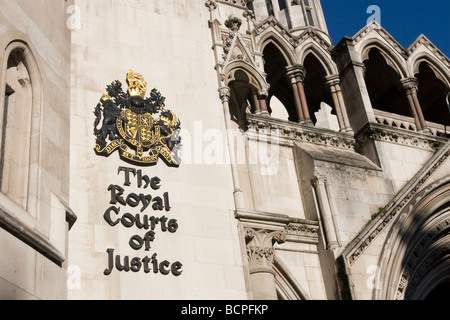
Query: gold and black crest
pixel 141 128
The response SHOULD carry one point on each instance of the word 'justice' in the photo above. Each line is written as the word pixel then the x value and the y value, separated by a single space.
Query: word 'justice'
pixel 149 224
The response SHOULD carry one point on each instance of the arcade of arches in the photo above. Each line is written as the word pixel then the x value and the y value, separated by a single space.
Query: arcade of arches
pixel 296 92
pixel 422 97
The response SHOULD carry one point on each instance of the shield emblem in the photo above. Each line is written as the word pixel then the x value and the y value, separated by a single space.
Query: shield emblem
pixel 138 129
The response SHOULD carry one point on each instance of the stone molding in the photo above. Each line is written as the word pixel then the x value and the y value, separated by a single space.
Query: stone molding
pixel 295 41
pixel 296 230
pixel 384 133
pixel 289 132
pixel 423 40
pixel 412 274
pixel 211 4
pixel 394 45
pixel 233 23
pixel 30 236
pixel 383 33
pixel 235 3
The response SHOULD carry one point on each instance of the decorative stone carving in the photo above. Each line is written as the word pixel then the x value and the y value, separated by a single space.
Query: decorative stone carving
pixel 382 132
pixel 233 23
pixel 302 233
pixel 236 3
pixel 410 86
pixel 290 131
pixel 413 273
pixel 260 250
pixel 225 94
pixel 211 5
pixel 296 73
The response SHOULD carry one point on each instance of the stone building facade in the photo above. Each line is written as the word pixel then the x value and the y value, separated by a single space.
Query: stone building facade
pixel 309 170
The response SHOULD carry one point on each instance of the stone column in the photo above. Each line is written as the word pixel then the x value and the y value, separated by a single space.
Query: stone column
pixel 305 107
pixel 225 95
pixel 256 103
pixel 410 86
pixel 334 84
pixel 260 253
pixel 262 98
pixel 325 209
pixel 296 76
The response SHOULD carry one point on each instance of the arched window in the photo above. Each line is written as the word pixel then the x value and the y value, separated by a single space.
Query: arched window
pixel 241 98
pixel 316 88
pixel 247 92
pixel 16 128
pixel 20 126
pixel 383 85
pixel 275 68
pixel 432 95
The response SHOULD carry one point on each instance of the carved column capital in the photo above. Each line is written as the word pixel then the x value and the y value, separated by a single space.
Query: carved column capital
pixel 225 94
pixel 263 93
pixel 410 85
pixel 319 180
pixel 296 73
pixel 333 81
pixel 260 250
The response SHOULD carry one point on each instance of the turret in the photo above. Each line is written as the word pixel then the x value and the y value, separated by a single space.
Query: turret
pixel 294 15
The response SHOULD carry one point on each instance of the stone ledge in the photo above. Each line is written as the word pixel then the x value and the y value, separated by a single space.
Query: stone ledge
pixel 30 236
pixel 291 131
pixel 384 133
pixel 297 230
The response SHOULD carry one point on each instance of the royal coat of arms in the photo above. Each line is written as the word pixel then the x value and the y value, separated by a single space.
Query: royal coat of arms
pixel 141 128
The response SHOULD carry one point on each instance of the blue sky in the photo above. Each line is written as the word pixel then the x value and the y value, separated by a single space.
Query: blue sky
pixel 405 20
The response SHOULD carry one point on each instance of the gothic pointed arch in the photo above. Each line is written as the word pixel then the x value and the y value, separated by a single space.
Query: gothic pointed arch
pixel 432 93
pixel 375 36
pixel 434 65
pixel 284 47
pixel 287 286
pixel 317 90
pixel 383 82
pixel 423 50
pixel 275 64
pixel 247 88
pixel 283 41
pixel 21 85
pixel 391 57
pixel 420 239
pixel 322 56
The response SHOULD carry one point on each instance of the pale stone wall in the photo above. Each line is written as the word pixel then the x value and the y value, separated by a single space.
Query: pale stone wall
pixel 305 266
pixel 400 163
pixel 267 180
pixel 45 43
pixel 169 43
